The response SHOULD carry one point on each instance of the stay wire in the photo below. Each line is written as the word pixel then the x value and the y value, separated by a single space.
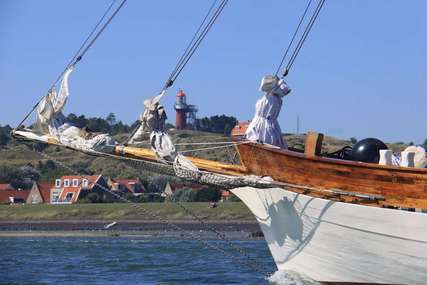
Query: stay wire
pixel 203 35
pixel 101 30
pixel 193 38
pixel 293 37
pixel 195 43
pixel 190 50
pixel 78 56
pixel 304 36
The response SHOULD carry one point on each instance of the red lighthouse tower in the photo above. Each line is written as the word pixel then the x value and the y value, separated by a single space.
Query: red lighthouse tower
pixel 185 114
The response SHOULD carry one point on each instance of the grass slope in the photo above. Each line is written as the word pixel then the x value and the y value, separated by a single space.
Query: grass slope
pixel 123 211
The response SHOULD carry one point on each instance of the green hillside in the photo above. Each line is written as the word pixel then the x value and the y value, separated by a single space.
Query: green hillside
pixel 48 159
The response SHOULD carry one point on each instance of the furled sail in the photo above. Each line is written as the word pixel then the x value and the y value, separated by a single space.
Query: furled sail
pixel 152 119
pixel 152 123
pixel 49 111
pixel 51 121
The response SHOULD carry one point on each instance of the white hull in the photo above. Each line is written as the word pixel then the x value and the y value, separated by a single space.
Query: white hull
pixel 340 242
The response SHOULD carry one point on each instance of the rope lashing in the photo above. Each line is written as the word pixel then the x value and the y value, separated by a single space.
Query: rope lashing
pixel 85 46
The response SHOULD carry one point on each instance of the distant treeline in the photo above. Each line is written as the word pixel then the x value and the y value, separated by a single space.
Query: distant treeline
pixel 216 124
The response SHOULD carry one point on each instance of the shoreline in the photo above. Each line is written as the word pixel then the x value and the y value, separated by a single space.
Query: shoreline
pixel 235 229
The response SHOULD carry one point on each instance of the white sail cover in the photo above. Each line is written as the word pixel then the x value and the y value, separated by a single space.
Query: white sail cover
pixel 163 146
pixel 264 127
pixel 152 119
pixel 51 120
pixel 49 111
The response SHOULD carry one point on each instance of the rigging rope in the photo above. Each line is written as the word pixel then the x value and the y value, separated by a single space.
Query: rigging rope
pixel 213 147
pixel 250 262
pixel 198 37
pixel 293 37
pixel 195 42
pixel 302 38
pixel 178 64
pixel 82 50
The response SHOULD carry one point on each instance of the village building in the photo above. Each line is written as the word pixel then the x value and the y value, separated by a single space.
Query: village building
pixel 10 195
pixel 225 194
pixel 40 193
pixel 68 189
pixel 126 185
pixel 6 187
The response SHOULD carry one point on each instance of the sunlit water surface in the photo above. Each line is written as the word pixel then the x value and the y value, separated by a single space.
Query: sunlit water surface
pixel 131 260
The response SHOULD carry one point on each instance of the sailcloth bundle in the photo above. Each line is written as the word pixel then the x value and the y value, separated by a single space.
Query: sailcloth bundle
pixel 52 122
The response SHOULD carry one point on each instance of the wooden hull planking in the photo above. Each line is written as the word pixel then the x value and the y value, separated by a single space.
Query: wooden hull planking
pixel 400 186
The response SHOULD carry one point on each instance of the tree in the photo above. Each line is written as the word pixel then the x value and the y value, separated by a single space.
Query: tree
pixel 9 173
pixel 111 119
pixel 216 124
pixel 425 143
pixel 5 135
pixel 353 140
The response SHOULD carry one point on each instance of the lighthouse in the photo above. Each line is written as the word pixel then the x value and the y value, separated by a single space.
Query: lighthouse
pixel 185 113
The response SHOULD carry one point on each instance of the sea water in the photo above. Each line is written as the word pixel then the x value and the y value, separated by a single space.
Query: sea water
pixel 131 260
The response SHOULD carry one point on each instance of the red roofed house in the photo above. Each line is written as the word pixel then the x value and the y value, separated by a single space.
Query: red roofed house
pixel 68 189
pixel 6 187
pixel 225 194
pixel 9 195
pixel 239 131
pixel 40 193
pixel 126 185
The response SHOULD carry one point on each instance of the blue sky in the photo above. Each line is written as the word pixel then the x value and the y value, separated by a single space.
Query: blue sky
pixel 361 73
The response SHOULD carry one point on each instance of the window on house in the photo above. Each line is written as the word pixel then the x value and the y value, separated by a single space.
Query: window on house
pixel 66 182
pixel 85 183
pixel 58 183
pixel 69 196
pixel 75 182
pixel 55 196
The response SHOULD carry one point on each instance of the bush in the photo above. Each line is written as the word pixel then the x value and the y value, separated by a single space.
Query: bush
pixel 93 198
pixel 207 195
pixel 183 195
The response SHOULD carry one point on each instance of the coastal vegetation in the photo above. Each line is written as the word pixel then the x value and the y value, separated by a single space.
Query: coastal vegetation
pixel 105 211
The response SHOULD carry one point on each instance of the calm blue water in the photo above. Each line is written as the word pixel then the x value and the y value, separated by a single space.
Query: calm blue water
pixel 123 260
